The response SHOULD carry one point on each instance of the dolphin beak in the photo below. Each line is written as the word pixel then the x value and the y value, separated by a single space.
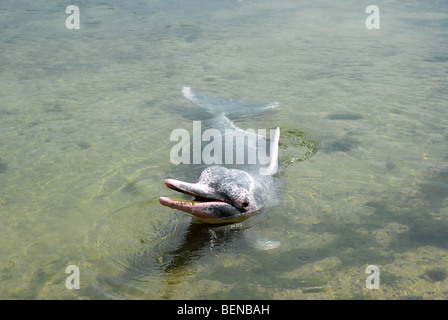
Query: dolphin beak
pixel 206 206
pixel 192 189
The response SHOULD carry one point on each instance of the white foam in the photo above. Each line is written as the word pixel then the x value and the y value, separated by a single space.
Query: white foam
pixel 272 105
pixel 188 93
pixel 267 244
pixel 273 165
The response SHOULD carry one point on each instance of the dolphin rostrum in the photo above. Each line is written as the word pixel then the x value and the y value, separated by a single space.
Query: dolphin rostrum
pixel 236 192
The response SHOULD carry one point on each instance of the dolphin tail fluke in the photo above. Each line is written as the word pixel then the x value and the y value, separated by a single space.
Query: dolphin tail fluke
pixel 221 105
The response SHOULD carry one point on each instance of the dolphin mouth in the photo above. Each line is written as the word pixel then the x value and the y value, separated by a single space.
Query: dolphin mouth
pixel 205 206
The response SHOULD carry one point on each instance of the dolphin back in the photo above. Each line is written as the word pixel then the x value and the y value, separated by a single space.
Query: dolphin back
pixel 249 150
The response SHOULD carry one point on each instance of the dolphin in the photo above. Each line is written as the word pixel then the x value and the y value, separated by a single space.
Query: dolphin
pixel 235 192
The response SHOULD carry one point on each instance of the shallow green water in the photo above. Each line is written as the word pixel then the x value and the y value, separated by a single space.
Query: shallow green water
pixel 85 120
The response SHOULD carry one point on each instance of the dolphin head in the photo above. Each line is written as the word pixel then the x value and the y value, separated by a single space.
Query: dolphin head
pixel 221 195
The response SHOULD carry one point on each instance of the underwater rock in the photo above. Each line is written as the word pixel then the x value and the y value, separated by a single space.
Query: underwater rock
pixel 84 145
pixel 3 167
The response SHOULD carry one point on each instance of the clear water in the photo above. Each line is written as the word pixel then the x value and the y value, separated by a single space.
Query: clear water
pixel 85 119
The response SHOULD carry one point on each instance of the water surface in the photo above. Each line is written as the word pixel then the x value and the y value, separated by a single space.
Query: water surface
pixel 85 120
